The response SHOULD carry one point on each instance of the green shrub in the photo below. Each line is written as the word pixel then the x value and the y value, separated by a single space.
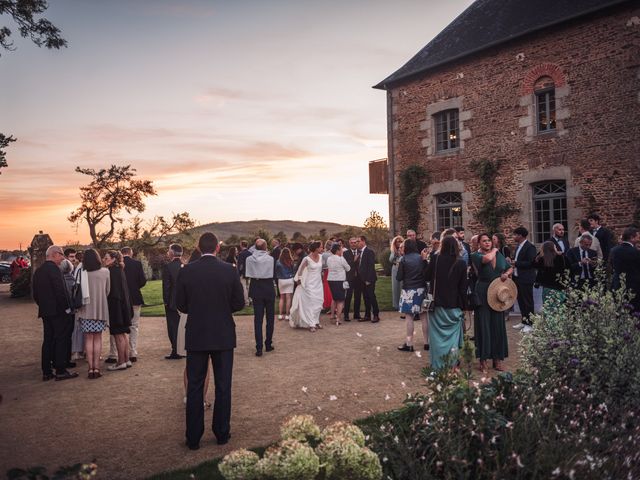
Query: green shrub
pixel 344 429
pixel 383 259
pixel 21 286
pixel 302 428
pixel 343 458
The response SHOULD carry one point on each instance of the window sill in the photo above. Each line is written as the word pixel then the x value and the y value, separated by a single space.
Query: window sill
pixel 547 134
pixel 447 153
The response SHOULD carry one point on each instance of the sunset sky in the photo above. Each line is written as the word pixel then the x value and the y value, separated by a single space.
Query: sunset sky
pixel 237 110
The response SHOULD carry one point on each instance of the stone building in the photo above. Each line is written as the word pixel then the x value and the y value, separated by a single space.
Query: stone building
pixel 550 89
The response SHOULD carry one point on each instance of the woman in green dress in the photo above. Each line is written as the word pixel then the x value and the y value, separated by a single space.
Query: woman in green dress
pixel 489 325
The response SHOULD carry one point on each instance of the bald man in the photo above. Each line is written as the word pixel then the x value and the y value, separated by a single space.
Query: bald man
pixel 260 269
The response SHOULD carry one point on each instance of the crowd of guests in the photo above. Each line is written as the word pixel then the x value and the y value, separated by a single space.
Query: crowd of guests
pixel 438 283
pixel 79 296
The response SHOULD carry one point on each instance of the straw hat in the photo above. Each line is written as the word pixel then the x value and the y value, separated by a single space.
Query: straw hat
pixel 502 295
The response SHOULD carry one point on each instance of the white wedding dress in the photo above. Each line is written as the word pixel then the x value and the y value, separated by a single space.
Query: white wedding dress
pixel 308 296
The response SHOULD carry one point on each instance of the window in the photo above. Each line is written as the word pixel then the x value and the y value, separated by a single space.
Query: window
pixel 447 130
pixel 549 207
pixel 449 207
pixel 545 93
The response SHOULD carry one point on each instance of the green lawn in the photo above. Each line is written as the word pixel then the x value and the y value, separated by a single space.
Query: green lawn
pixel 152 293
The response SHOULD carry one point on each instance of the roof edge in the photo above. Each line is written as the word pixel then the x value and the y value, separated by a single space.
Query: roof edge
pixel 386 85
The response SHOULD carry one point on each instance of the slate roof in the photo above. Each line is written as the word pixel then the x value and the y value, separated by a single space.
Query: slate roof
pixel 487 23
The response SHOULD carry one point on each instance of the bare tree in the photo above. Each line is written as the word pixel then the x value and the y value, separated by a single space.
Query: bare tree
pixel 110 192
pixel 143 235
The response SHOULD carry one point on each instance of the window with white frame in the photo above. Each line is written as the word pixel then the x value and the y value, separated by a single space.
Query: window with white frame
pixel 449 207
pixel 447 130
pixel 549 207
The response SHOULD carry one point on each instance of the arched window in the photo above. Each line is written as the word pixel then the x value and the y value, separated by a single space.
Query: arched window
pixel 449 206
pixel 549 207
pixel 545 93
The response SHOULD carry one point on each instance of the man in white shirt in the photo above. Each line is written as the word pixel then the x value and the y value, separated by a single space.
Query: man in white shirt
pixel 524 275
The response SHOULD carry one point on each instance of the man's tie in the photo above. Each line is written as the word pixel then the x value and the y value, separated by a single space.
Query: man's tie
pixel 585 266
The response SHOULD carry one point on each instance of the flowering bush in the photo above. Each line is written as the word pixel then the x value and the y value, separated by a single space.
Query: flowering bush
pixel 291 460
pixel 343 458
pixel 240 465
pixel 302 428
pixel 572 413
pixel 344 429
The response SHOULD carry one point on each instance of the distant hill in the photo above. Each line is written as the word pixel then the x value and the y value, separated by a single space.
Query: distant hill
pixel 224 230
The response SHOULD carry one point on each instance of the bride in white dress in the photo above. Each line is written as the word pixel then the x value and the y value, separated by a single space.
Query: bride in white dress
pixel 309 295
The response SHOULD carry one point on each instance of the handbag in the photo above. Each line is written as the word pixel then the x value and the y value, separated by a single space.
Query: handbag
pixel 429 303
pixel 76 293
pixel 473 299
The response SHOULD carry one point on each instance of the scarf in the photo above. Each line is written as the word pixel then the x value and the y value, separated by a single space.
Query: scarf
pixel 260 265
pixel 82 277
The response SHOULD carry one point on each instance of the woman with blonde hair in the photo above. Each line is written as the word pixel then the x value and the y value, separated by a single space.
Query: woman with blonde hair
pixel 120 309
pixel 394 258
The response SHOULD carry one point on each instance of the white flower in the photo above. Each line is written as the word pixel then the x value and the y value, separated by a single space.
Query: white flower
pixel 378 349
pixel 404 385
pixel 304 389
pixel 387 397
pixel 418 354
pixel 332 397
pixel 385 459
pixel 556 472
pixel 319 408
pixel 359 334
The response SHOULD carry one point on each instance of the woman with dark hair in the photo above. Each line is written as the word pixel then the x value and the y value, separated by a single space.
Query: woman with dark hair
pixel 120 309
pixel 308 297
pixel 551 268
pixel 447 275
pixel 94 313
pixel 500 242
pixel 232 256
pixel 284 273
pixel 489 326
pixel 195 255
pixel 411 269
pixel 337 267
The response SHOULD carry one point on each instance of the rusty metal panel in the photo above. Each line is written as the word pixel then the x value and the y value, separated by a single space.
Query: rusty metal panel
pixel 379 176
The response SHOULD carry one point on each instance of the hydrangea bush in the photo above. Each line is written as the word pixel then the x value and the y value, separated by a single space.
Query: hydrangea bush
pixel 240 465
pixel 343 458
pixel 344 429
pixel 290 460
pixel 302 428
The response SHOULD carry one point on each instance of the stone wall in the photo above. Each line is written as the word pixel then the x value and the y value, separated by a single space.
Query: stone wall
pixel 594 63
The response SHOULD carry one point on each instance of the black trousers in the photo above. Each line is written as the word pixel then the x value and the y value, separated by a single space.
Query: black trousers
pixel 197 365
pixel 525 300
pixel 56 344
pixel 260 307
pixel 355 291
pixel 173 320
pixel 370 300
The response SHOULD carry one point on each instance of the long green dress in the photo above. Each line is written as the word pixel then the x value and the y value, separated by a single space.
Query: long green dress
pixel 489 326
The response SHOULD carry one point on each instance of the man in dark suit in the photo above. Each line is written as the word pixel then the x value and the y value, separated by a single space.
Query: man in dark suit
pixel 524 275
pixel 209 291
pixel 366 264
pixel 625 259
pixel 582 263
pixel 460 235
pixel 260 269
pixel 559 240
pixel 53 307
pixel 355 289
pixel 604 235
pixel 411 235
pixel 169 281
pixel 275 248
pixel 135 281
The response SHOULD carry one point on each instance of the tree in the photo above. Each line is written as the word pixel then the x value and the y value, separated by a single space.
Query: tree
pixel 110 192
pixel 141 236
pixel 42 32
pixel 376 231
pixel 282 237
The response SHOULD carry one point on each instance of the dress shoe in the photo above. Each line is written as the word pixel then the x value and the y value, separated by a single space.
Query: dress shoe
pixel 133 359
pixel 71 364
pixel 66 375
pixel 365 319
pixel 347 319
pixel 173 356
pixel 357 318
pixel 111 360
pixel 375 319
pixel 258 353
pixel 269 348
pixel 416 317
pixel 47 376
pixel 403 317
pixel 224 440
pixel 113 368
pixel 405 348
pixel 192 446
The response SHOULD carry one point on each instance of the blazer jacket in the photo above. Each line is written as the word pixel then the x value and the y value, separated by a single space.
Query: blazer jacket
pixel 353 273
pixel 169 280
pixel 525 262
pixel 135 279
pixel 625 258
pixel 49 290
pixel 575 266
pixel 367 266
pixel 605 237
pixel 209 291
pixel 557 243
